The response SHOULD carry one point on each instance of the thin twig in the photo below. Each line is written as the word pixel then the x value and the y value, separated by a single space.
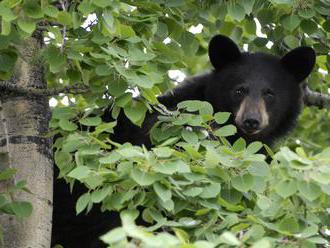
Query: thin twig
pixel 63 5
pixel 92 23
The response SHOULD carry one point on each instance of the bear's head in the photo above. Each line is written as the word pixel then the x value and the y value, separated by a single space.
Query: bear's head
pixel 262 91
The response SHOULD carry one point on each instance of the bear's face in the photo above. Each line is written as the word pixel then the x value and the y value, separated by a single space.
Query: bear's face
pixel 260 90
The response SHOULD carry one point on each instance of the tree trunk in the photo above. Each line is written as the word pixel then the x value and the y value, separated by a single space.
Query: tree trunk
pixel 23 145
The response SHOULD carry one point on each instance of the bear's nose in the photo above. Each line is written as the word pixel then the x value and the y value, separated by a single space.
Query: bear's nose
pixel 251 124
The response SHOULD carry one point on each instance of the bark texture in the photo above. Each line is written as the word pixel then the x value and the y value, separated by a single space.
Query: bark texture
pixel 23 145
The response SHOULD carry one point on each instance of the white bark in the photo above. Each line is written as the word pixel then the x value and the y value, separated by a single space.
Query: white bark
pixel 23 124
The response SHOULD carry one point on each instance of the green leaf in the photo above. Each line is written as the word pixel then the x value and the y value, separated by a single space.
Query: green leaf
pixel 80 172
pixel 143 178
pixel 225 131
pixel 113 157
pixel 243 183
pixel 131 152
pixel 189 43
pixel 254 147
pixel 163 152
pixel 318 240
pixel 286 188
pixel 262 243
pixel 291 41
pixel 98 195
pixel 51 11
pixel 203 244
pixel 289 224
pixel 118 87
pixel 123 99
pixel 136 54
pixel 63 113
pixel 6 13
pixel 105 127
pixel 86 7
pixel 168 205
pixel 103 70
pixel 307 13
pixel 64 18
pixel 236 11
pixel 285 2
pixel 102 3
pixel 193 192
pixel 290 22
pixel 67 125
pixel 171 167
pixel 260 169
pixel 322 10
pixel 91 121
pixel 181 234
pixel 7 174
pixel 263 202
pixel 248 6
pixel 136 112
pixel 7 60
pixel 55 58
pixel 222 117
pixel 189 136
pixel 204 108
pixel 211 191
pixel 5 27
pixel 229 239
pixel 32 9
pixel 162 191
pixel 309 190
pixel 21 209
pixel 82 202
pixel 26 25
pixel 309 231
pixel 250 26
pixel 114 236
pixel 239 145
pixel 128 217
pixel 126 31
pixel 308 26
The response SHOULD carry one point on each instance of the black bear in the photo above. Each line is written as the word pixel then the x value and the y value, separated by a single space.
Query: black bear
pixel 261 91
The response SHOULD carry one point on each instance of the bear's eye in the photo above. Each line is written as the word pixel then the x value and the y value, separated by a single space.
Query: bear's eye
pixel 269 94
pixel 241 91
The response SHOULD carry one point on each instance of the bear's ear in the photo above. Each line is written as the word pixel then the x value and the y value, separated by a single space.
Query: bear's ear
pixel 300 62
pixel 222 50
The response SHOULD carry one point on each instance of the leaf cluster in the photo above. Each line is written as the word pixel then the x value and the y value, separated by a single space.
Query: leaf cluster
pixel 197 188
pixel 8 205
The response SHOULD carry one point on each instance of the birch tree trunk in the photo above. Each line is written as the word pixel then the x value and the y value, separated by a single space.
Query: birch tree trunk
pixel 23 145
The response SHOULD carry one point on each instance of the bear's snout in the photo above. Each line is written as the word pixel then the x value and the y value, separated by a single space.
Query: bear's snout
pixel 251 125
pixel 251 116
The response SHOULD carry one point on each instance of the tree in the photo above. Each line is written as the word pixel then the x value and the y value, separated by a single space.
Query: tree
pixel 100 53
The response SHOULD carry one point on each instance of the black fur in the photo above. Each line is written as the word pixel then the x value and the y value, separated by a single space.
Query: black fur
pixel 256 72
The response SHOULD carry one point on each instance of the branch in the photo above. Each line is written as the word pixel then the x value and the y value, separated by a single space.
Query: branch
pixel 312 98
pixel 64 8
pixel 14 89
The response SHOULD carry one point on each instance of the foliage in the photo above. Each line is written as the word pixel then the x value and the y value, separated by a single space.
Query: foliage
pixel 201 192
pixel 8 205
pixel 207 192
